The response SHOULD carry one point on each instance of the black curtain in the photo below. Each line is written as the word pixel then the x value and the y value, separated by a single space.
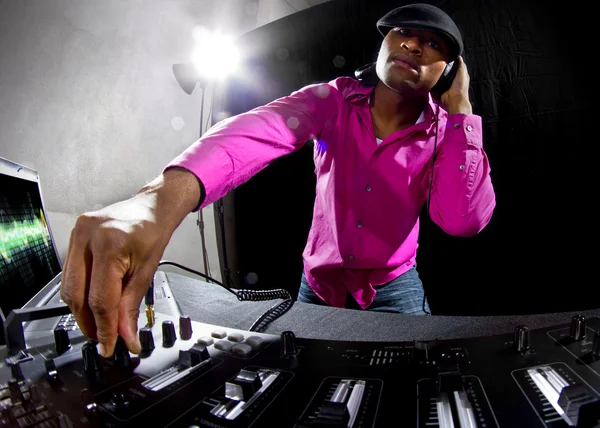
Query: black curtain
pixel 530 82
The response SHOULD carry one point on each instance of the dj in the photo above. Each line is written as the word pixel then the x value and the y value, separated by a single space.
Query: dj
pixel 376 170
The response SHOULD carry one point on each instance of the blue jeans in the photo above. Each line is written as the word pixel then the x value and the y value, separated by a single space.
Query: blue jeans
pixel 404 294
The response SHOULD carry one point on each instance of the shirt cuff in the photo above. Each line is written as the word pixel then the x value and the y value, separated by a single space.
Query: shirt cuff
pixel 212 167
pixel 469 125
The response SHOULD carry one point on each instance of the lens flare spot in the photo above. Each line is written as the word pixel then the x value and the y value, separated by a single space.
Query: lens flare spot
pixel 293 122
pixel 177 123
pixel 322 91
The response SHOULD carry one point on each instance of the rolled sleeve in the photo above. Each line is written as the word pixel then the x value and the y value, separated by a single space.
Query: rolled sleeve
pixel 211 165
pixel 234 150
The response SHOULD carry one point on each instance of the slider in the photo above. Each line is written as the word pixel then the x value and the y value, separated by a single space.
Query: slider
pixel 453 406
pixel 577 404
pixel 244 386
pixel 342 408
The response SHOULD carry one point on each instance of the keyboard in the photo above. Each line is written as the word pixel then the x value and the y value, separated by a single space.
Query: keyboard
pixel 67 322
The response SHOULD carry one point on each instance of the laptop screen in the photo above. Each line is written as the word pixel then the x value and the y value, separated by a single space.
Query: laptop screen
pixel 28 256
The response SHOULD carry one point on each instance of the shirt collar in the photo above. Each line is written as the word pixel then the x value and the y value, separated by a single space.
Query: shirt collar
pixel 363 92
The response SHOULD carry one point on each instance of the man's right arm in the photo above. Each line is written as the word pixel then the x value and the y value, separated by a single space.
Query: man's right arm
pixel 114 252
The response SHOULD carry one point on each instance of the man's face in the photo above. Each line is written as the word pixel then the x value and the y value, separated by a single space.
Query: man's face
pixel 412 59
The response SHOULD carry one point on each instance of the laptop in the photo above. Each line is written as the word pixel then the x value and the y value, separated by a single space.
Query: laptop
pixel 30 265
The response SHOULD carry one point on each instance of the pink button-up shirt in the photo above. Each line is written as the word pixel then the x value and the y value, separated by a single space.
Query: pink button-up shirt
pixel 368 196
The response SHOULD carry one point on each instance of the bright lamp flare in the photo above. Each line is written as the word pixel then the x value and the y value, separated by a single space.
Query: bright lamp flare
pixel 214 55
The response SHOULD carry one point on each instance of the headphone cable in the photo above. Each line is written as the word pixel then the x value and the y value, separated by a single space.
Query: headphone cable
pixel 437 130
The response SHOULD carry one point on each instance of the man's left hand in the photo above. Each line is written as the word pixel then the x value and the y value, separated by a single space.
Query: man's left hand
pixel 456 99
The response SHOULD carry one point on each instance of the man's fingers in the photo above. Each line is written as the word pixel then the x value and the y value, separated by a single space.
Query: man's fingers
pixel 103 300
pixel 129 308
pixel 75 283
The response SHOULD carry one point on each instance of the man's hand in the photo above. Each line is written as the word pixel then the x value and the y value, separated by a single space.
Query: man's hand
pixel 456 99
pixel 114 252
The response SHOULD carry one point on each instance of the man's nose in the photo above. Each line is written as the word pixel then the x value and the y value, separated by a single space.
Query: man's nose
pixel 412 44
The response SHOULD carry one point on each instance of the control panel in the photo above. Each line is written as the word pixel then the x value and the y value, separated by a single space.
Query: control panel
pixel 191 374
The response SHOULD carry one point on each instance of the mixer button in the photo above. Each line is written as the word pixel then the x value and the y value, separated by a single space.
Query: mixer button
pixel 254 341
pixel 224 345
pixel 205 340
pixel 219 334
pixel 241 349
pixel 235 337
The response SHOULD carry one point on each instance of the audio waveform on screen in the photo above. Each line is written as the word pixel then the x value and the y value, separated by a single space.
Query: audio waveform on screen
pixel 20 234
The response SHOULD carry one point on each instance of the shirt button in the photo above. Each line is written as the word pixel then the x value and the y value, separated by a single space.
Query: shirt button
pixel 456 126
pixel 350 258
pixel 368 188
pixel 469 128
pixel 462 167
pixel 359 224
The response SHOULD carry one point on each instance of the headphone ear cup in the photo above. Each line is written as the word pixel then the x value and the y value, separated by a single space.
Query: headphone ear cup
pixel 447 70
pixel 445 81
pixel 367 74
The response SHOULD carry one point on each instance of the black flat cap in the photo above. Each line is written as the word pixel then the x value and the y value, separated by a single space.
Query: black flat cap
pixel 424 16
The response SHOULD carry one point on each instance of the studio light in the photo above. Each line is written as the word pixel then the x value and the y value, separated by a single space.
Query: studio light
pixel 214 57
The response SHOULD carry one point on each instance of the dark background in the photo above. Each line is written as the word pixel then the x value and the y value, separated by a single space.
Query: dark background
pixel 531 81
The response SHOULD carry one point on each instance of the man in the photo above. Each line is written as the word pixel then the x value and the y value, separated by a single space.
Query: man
pixel 375 166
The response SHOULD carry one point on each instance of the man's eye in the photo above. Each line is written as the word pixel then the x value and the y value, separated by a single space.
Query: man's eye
pixel 434 44
pixel 403 31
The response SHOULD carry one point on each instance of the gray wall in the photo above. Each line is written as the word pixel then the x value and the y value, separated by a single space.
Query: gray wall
pixel 88 98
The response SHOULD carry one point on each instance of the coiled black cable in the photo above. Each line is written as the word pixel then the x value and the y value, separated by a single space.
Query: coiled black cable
pixel 271 315
pixel 257 295
pixel 246 295
pixel 242 295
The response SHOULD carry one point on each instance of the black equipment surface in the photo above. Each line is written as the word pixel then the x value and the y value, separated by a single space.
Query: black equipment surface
pixel 194 373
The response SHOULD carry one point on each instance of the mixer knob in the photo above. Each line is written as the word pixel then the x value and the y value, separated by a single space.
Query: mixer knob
pixel 61 340
pixel 578 327
pixel 169 334
pixel 119 400
pixel 14 389
pixel 121 355
pixel 427 351
pixel 91 359
pixel 51 371
pixel 185 328
pixel 16 372
pixel 288 344
pixel 596 344
pixel 146 339
pixel 521 338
